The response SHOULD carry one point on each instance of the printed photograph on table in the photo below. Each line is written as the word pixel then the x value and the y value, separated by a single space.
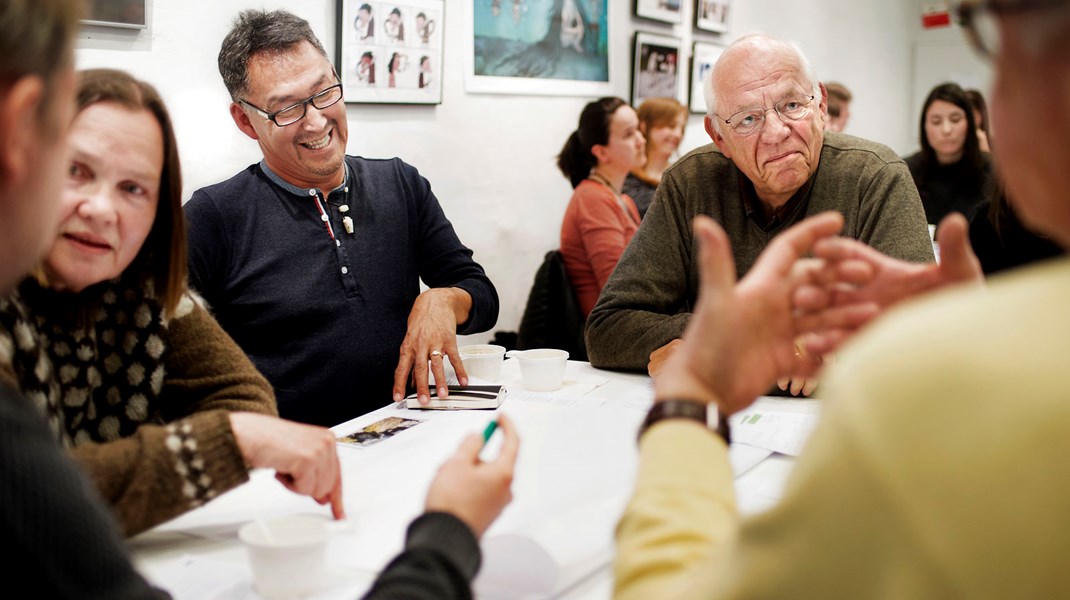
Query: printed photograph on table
pixel 390 52
pixel 655 68
pixel 128 14
pixel 378 431
pixel 712 15
pixel 554 47
pixel 703 57
pixel 668 11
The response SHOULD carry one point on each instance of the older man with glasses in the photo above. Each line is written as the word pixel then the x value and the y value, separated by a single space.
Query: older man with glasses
pixel 311 259
pixel 771 165
pixel 935 472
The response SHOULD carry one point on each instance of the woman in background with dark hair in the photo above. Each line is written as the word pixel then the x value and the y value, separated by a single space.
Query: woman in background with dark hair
pixel 661 120
pixel 1002 242
pixel 951 172
pixel 600 220
pixel 980 119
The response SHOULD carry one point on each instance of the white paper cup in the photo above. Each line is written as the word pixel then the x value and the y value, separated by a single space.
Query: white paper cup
pixel 483 361
pixel 287 554
pixel 543 370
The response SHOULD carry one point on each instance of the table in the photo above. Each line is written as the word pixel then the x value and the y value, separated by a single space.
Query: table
pixel 574 475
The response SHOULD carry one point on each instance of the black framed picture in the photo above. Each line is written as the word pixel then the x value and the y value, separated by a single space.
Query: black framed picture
pixel 712 15
pixel 390 52
pixel 129 14
pixel 655 67
pixel 702 59
pixel 666 11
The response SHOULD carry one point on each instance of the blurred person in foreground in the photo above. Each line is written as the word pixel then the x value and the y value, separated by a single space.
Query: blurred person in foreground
pixel 933 472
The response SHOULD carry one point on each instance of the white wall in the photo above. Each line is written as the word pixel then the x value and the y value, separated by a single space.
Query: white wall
pixel 490 158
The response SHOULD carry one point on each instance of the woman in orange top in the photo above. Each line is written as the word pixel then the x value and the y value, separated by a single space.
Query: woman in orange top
pixel 600 220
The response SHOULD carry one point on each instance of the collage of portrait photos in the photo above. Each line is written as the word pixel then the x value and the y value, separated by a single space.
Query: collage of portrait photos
pixel 391 52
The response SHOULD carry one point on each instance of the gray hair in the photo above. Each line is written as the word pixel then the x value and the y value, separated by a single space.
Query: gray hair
pixel 752 40
pixel 257 31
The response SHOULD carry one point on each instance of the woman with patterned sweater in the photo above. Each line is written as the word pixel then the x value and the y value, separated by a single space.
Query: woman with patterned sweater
pixel 133 374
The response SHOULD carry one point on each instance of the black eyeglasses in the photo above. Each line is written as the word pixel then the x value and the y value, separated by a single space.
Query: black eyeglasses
pixel 978 18
pixel 295 112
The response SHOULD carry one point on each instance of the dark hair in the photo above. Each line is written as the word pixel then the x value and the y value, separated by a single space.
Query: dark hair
pixel 392 64
pixel 257 31
pixel 365 6
pixel 163 255
pixel 977 102
pixel 971 149
pixel 396 11
pixel 575 159
pixel 37 38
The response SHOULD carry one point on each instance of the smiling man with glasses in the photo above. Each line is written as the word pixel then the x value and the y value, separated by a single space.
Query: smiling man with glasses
pixel 312 259
pixel 771 164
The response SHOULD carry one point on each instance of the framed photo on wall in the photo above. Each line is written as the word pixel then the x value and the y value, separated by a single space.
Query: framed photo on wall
pixel 655 67
pixel 390 52
pixel 667 11
pixel 712 15
pixel 702 59
pixel 129 14
pixel 551 47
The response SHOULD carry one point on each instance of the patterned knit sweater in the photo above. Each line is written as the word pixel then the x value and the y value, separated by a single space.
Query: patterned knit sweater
pixel 140 400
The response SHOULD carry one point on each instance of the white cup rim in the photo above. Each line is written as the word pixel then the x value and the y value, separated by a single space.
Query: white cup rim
pixel 314 531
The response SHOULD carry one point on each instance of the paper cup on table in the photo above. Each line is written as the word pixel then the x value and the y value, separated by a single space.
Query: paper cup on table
pixel 483 361
pixel 287 554
pixel 543 370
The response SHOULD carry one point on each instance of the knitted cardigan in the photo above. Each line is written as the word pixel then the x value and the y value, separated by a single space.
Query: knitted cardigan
pixel 141 400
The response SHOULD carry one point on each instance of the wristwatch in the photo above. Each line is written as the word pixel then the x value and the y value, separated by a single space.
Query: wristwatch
pixel 688 409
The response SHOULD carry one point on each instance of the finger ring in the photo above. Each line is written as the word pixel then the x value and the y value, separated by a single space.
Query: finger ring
pixel 435 353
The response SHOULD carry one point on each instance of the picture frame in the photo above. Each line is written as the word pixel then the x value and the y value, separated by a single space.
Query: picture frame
pixel 666 11
pixel 517 47
pixel 127 14
pixel 655 67
pixel 703 55
pixel 390 52
pixel 712 15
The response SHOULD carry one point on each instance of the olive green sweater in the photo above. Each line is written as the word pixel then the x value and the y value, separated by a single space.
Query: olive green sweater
pixel 647 301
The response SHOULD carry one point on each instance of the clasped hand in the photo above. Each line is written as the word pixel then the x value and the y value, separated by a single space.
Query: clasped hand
pixel 742 336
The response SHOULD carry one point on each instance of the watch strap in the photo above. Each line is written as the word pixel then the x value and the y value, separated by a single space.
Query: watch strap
pixel 688 409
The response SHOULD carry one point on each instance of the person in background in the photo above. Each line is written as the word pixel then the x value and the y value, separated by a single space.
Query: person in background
pixel 942 425
pixel 661 121
pixel 600 219
pixel 313 260
pixel 132 373
pixel 980 118
pixel 771 164
pixel 951 172
pixel 839 109
pixel 1002 242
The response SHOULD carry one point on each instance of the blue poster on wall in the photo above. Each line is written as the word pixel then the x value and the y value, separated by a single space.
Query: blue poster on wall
pixel 541 39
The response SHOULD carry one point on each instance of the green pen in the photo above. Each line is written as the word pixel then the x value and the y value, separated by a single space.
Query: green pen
pixel 489 431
